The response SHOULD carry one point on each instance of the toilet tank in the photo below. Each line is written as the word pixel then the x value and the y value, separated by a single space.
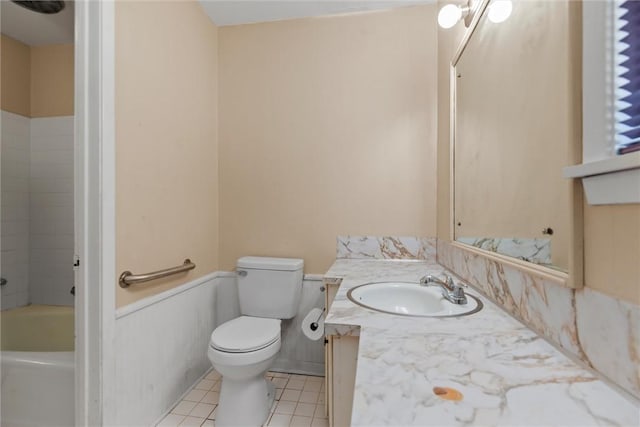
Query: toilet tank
pixel 269 287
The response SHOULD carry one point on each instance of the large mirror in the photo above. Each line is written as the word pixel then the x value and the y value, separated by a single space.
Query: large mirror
pixel 514 129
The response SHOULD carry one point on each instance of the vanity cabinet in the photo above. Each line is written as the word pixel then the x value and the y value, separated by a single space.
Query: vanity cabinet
pixel 341 355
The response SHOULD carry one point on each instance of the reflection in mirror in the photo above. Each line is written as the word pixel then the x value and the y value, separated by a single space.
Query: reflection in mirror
pixel 513 131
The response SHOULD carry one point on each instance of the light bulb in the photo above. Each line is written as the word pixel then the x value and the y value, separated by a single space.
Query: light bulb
pixel 500 10
pixel 449 15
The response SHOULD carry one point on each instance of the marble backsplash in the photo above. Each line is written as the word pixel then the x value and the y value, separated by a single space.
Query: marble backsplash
pixel 535 250
pixel 372 247
pixel 601 331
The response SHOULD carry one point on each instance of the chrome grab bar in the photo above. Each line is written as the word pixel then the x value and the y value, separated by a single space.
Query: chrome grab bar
pixel 128 278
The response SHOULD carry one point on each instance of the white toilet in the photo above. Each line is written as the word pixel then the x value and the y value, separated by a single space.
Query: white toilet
pixel 243 349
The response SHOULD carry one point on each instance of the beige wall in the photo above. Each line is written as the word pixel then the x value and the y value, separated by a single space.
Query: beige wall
pixel 15 84
pixel 166 142
pixel 611 233
pixel 327 127
pixel 52 80
pixel 612 250
pixel 37 81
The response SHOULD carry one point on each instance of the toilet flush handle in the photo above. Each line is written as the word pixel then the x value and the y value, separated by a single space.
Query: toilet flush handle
pixel 242 273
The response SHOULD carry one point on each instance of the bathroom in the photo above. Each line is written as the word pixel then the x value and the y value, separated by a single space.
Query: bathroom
pixel 279 131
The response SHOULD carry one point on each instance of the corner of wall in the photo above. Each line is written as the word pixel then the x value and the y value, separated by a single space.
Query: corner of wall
pixel 15 76
pixel 52 80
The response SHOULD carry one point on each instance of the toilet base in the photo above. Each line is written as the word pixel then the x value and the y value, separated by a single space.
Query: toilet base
pixel 244 403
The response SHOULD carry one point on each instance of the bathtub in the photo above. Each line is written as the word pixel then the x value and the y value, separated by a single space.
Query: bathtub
pixel 37 344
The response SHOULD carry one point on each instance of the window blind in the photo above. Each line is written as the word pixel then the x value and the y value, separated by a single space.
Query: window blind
pixel 627 76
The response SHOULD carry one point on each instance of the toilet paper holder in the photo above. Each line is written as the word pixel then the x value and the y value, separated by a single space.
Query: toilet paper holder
pixel 314 325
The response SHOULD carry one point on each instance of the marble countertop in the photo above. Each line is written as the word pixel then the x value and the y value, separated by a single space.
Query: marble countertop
pixel 507 374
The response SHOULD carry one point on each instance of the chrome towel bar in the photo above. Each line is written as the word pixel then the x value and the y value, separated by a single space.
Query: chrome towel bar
pixel 128 278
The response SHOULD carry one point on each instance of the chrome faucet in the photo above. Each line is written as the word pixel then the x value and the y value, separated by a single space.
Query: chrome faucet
pixel 452 292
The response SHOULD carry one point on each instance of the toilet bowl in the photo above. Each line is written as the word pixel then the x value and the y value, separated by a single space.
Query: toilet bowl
pixel 243 349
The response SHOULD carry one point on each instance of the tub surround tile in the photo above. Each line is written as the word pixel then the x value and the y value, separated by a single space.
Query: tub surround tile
pixel 15 141
pixel 37 210
pixel 51 211
pixel 585 323
pixel 507 374
pixel 371 247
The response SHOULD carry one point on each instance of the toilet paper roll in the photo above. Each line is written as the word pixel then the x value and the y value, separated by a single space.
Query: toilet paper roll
pixel 311 320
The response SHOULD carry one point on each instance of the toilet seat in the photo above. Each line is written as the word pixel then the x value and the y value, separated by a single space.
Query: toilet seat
pixel 244 341
pixel 245 334
pixel 225 358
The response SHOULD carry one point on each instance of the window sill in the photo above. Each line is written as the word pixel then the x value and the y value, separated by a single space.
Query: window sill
pixel 610 181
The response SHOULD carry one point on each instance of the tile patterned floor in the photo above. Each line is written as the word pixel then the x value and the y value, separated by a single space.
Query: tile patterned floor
pixel 299 402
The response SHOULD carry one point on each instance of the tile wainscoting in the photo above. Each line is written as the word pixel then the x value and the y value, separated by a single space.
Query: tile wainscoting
pixel 601 331
pixel 161 348
pixel 161 344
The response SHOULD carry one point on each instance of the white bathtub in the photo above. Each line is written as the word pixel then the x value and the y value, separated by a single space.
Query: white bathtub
pixel 37 366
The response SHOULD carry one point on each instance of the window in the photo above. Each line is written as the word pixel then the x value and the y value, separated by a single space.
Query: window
pixel 626 70
pixel 610 169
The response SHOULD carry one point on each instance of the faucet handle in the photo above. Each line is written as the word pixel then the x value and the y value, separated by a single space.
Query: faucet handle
pixel 448 280
pixel 458 289
pixel 451 283
pixel 459 297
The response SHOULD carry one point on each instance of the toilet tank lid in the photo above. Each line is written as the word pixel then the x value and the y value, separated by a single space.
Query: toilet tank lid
pixel 266 263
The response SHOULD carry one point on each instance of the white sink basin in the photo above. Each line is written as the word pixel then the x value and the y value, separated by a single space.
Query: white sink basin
pixel 410 299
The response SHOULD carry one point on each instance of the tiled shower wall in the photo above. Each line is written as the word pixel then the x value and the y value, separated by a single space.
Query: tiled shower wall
pixel 14 230
pixel 37 210
pixel 51 211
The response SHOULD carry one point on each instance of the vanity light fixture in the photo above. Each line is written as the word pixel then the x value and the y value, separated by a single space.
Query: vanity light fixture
pixel 450 14
pixel 497 11
pixel 500 10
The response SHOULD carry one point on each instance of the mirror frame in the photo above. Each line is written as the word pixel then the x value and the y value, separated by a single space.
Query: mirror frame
pixel 574 277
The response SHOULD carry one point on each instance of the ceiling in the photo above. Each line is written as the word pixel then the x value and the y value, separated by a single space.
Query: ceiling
pixel 235 12
pixel 36 29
